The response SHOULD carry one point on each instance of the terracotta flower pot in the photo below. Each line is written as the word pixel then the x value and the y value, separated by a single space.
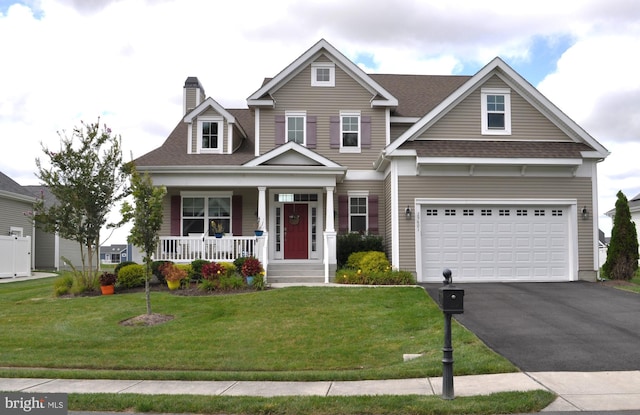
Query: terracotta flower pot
pixel 107 289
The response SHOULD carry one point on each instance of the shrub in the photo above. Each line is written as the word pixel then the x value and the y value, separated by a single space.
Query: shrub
pixel 155 269
pixel 131 276
pixel 355 259
pixel 122 265
pixel 349 243
pixel 252 267
pixel 239 262
pixel 196 269
pixel 391 277
pixel 63 284
pixel 374 261
pixel 622 254
pixel 229 268
pixel 231 283
pixel 207 285
pixel 213 271
pixel 258 282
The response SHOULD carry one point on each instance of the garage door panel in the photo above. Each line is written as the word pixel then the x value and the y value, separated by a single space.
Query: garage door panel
pixel 501 243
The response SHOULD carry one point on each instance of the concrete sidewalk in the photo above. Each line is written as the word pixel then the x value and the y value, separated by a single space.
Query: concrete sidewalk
pixel 577 391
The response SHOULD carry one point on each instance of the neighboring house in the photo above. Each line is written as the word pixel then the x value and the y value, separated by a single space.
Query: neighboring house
pixel 634 209
pixel 114 254
pixel 50 248
pixel 16 202
pixel 480 174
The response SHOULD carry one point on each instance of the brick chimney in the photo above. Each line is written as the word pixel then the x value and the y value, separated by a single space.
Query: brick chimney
pixel 193 93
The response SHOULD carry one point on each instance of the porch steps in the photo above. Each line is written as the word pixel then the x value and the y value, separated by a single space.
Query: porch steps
pixel 295 273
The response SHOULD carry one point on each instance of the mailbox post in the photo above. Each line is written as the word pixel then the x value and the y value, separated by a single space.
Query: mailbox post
pixel 451 301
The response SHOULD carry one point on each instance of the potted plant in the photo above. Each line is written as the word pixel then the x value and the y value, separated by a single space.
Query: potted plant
pixel 107 282
pixel 217 229
pixel 173 275
pixel 259 230
pixel 251 268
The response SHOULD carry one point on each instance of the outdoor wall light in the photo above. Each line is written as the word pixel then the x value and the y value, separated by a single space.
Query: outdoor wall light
pixel 585 213
pixel 407 213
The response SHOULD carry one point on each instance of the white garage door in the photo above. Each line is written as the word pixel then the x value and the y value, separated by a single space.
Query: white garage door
pixel 495 243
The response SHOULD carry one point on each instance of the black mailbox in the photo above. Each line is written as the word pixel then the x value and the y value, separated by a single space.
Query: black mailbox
pixel 451 299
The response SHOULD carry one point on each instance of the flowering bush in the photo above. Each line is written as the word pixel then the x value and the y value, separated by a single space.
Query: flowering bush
pixel 388 277
pixel 251 267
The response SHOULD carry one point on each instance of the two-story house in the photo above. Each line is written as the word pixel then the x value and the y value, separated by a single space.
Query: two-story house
pixel 480 174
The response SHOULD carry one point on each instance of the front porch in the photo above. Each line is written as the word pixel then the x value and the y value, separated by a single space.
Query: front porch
pixel 185 249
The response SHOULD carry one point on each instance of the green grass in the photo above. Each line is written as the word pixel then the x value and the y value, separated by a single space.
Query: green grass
pixel 507 402
pixel 299 333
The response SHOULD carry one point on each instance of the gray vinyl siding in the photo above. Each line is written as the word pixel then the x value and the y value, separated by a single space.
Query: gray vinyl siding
pixel 374 187
pixel 398 129
pixel 324 102
pixel 12 214
pixel 191 96
pixel 464 121
pixel 44 251
pixel 71 251
pixel 496 187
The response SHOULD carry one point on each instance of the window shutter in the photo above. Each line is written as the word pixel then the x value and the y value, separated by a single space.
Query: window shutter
pixel 236 212
pixel 343 213
pixel 175 215
pixel 311 131
pixel 334 131
pixel 365 126
pixel 280 132
pixel 372 210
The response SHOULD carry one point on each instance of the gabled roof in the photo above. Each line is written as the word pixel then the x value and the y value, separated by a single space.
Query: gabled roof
pixel 262 97
pixel 213 104
pixel 498 67
pixel 292 154
pixel 10 188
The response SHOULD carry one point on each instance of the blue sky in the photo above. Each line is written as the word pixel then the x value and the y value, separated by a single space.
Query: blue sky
pixel 126 61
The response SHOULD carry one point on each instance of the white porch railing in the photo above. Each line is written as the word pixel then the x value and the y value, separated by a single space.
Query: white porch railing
pixel 187 248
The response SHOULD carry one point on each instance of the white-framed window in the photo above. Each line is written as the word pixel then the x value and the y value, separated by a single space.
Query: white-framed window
pixel 199 210
pixel 295 127
pixel 210 134
pixel 358 212
pixel 350 137
pixel 323 74
pixel 496 111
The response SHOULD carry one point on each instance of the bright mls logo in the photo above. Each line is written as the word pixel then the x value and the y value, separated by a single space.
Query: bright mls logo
pixel 33 403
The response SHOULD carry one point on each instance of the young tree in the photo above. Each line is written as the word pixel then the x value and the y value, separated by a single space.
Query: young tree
pixel 147 220
pixel 87 178
pixel 622 255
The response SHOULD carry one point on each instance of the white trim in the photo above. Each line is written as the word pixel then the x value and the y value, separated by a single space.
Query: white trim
pixel 351 149
pixel 387 126
pixel 332 74
pixel 229 139
pixel 572 218
pixel 498 67
pixel 358 194
pixel 395 220
pixel 257 98
pixel 206 104
pixel 212 119
pixel 291 146
pixel 364 175
pixel 296 114
pixel 190 138
pixel 504 92
pixel 594 219
pixel 256 126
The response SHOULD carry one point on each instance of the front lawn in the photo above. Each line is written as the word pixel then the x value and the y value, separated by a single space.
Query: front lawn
pixel 299 333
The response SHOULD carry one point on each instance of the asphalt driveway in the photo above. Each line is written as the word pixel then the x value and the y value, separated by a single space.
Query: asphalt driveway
pixel 576 326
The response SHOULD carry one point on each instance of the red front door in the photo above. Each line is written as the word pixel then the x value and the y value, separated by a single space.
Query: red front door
pixel 296 231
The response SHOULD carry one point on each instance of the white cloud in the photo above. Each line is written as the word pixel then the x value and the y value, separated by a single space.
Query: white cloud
pixel 126 61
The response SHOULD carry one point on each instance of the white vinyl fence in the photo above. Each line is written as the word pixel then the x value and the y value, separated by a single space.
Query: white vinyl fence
pixel 15 256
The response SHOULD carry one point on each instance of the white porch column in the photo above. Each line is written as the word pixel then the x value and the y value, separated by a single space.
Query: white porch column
pixel 262 207
pixel 329 235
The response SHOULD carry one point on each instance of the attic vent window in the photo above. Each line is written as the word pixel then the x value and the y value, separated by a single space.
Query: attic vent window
pixel 496 111
pixel 323 74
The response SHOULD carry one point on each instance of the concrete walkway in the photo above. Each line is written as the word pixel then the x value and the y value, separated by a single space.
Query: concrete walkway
pixel 577 391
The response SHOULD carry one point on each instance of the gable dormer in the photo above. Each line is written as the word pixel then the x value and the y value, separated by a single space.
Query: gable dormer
pixel 212 129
